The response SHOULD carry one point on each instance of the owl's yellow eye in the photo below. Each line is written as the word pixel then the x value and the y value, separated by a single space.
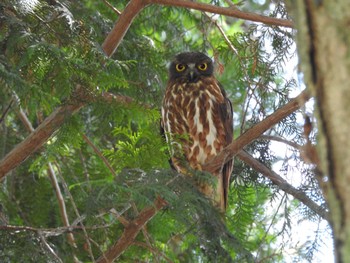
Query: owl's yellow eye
pixel 203 66
pixel 180 67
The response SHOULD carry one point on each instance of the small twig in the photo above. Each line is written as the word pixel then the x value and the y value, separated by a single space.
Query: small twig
pixel 6 111
pixel 115 10
pixel 98 152
pixel 49 248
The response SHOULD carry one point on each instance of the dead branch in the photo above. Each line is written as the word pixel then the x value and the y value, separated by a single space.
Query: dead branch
pixel 254 132
pixel 131 231
pixel 282 184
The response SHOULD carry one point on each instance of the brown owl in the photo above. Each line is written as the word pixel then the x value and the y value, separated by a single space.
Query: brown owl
pixel 197 120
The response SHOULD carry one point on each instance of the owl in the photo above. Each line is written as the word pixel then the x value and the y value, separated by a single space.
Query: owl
pixel 197 121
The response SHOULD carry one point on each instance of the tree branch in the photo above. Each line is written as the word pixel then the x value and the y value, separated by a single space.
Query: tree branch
pixel 134 7
pixel 254 132
pixel 131 231
pixel 282 184
pixel 226 11
pixel 122 25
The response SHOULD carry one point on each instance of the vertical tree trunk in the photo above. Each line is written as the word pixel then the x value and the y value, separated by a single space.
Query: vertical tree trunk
pixel 324 50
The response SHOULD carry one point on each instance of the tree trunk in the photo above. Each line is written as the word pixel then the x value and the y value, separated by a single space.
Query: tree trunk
pixel 324 50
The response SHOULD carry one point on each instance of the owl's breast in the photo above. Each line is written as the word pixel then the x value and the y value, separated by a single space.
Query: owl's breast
pixel 193 111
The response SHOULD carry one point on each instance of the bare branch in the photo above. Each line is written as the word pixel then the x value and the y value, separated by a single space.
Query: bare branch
pixel 253 133
pixel 283 184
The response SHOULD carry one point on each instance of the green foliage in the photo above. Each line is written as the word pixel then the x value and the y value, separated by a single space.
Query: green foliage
pixel 109 159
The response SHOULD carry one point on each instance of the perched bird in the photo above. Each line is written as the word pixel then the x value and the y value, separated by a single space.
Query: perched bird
pixel 197 120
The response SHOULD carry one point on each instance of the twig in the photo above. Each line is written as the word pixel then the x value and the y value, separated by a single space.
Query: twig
pixel 115 10
pixel 98 152
pixel 49 248
pixel 61 203
pixel 6 111
pixel 282 184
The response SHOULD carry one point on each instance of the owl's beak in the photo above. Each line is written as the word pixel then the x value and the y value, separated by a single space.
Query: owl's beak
pixel 192 75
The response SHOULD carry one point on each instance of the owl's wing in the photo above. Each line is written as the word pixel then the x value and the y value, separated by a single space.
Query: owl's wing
pixel 227 120
pixel 162 133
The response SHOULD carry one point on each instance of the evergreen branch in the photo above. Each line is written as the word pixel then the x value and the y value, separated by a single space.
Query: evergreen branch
pixel 254 132
pixel 50 125
pixel 134 7
pixel 282 184
pixel 131 231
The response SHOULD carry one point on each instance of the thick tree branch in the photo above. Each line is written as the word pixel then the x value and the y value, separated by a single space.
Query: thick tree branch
pixel 282 184
pixel 131 231
pixel 122 25
pixel 254 132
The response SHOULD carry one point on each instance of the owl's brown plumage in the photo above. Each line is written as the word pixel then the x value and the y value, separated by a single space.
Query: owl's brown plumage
pixel 197 119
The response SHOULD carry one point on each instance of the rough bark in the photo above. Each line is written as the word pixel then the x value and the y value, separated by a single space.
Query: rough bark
pixel 324 49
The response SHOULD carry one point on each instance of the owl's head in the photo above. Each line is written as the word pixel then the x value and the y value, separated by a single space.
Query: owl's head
pixel 190 67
